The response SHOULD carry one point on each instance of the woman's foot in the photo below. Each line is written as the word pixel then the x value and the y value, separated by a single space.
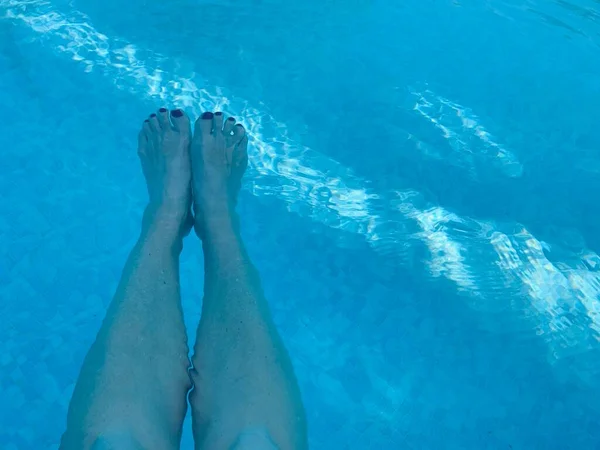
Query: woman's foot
pixel 219 160
pixel 164 150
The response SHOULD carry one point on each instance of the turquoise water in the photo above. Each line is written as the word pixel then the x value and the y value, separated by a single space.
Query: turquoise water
pixel 421 204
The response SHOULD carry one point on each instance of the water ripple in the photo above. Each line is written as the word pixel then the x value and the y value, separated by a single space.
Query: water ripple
pixel 474 148
pixel 491 267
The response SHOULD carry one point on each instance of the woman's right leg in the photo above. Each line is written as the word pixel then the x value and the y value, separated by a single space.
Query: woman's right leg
pixel 245 395
pixel 131 391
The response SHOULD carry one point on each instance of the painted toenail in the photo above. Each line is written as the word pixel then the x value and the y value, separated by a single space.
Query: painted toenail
pixel 207 115
pixel 231 118
pixel 152 115
pixel 218 113
pixel 177 113
pixel 163 109
pixel 146 121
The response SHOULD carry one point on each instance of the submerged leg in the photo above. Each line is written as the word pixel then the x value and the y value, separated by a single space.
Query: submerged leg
pixel 245 393
pixel 131 392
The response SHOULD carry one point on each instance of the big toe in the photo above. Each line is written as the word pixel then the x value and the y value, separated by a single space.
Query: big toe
pixel 204 125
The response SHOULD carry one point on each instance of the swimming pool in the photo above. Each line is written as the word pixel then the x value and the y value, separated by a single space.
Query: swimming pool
pixel 421 204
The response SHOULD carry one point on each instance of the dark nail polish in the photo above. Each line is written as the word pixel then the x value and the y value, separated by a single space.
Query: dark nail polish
pixel 218 113
pixel 231 118
pixel 177 113
pixel 152 115
pixel 146 121
pixel 163 110
pixel 207 115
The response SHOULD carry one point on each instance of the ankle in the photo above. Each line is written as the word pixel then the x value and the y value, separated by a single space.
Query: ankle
pixel 214 222
pixel 172 222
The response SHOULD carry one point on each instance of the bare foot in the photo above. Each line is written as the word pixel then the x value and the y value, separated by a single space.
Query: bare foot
pixel 164 150
pixel 219 160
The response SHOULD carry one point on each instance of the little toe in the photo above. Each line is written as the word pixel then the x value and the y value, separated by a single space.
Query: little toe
pixel 143 138
pixel 238 133
pixel 142 142
pixel 240 156
pixel 163 118
pixel 238 166
pixel 181 122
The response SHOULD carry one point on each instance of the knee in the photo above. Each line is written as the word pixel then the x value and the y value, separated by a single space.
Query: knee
pixel 254 439
pixel 116 441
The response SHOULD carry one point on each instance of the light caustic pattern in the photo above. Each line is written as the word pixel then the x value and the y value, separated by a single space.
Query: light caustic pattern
pixel 486 265
pixel 473 147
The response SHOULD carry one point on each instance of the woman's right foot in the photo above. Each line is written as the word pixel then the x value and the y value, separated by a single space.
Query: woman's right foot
pixel 219 160
pixel 164 151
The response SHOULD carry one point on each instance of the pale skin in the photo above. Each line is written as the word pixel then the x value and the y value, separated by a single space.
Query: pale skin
pixel 132 388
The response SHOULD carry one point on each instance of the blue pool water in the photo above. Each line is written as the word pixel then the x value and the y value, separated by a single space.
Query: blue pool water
pixel 421 203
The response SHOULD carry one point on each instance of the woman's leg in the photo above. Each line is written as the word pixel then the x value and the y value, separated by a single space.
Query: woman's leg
pixel 131 392
pixel 245 394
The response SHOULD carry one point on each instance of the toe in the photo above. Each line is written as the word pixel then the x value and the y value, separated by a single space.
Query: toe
pixel 147 128
pixel 204 124
pixel 163 118
pixel 153 121
pixel 142 142
pixel 240 155
pixel 181 122
pixel 228 127
pixel 143 136
pixel 238 166
pixel 233 137
pixel 238 133
pixel 218 121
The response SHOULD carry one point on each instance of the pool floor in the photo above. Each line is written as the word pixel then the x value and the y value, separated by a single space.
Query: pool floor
pixel 420 204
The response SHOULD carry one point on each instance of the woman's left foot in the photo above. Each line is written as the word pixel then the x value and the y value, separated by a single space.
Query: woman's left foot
pixel 164 150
